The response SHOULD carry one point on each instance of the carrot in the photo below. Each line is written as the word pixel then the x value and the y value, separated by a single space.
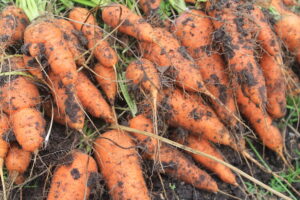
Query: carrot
pixel 84 21
pixel 17 162
pixel 194 30
pixel 12 22
pixel 234 32
pixel 290 2
pixel 177 165
pixel 70 35
pixel 32 66
pixel 29 127
pixel 200 144
pixel 192 114
pixel 149 7
pixel 275 83
pixel 72 180
pixel 44 38
pixel 115 150
pixel 67 102
pixel 174 162
pixel 168 54
pixel 16 92
pixel 121 17
pixel 287 28
pixel 92 100
pixel 58 117
pixel 18 98
pixel 261 122
pixel 106 77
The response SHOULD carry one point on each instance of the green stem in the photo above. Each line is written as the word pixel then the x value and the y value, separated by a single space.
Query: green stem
pixel 178 5
pixel 32 8
pixel 92 3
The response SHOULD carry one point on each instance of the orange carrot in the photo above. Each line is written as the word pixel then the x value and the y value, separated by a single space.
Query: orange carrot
pixel 168 54
pixel 12 22
pixel 67 102
pixel 44 38
pixel 18 98
pixel 4 128
pixel 115 150
pixel 194 29
pixel 73 42
pixel 106 77
pixel 149 7
pixel 200 144
pixel 17 162
pixel 72 180
pixel 192 114
pixel 84 21
pixel 261 122
pixel 275 83
pixel 121 17
pixel 58 117
pixel 32 66
pixel 234 32
pixel 92 100
pixel 174 162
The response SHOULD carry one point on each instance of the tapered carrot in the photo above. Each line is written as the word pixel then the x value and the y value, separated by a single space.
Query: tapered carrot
pixel 174 163
pixel 200 144
pixel 17 162
pixel 261 122
pixel 275 83
pixel 193 115
pixel 115 150
pixel 106 77
pixel 73 180
pixel 70 35
pixel 234 33
pixel 194 30
pixel 92 100
pixel 12 22
pixel 150 7
pixel 67 102
pixel 44 38
pixel 84 21
pixel 121 17
pixel 168 54
pixel 18 98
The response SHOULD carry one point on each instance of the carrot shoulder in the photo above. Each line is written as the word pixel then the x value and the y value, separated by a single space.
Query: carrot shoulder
pixel 118 153
pixel 72 180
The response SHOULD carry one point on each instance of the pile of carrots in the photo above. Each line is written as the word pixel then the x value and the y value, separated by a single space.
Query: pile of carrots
pixel 205 73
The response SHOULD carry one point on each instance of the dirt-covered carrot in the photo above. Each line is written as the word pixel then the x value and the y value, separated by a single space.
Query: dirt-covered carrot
pixel 128 22
pixel 44 38
pixel 194 29
pixel 287 28
pixel 17 162
pixel 32 66
pixel 168 53
pixel 199 143
pixel 12 22
pixel 174 162
pixel 92 100
pixel 261 122
pixel 73 179
pixel 106 77
pixel 84 21
pixel 71 36
pixel 18 98
pixel 275 83
pixel 67 102
pixel 149 7
pixel 115 150
pixel 192 114
pixel 234 33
